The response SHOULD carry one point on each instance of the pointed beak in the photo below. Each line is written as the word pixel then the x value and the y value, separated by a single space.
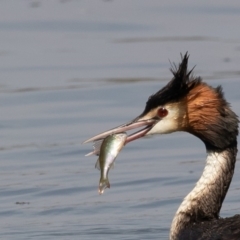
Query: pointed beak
pixel 138 122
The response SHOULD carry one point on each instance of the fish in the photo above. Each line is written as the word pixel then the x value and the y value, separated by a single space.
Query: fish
pixel 109 149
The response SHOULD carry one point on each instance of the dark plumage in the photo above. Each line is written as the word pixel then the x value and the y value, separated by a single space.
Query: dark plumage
pixel 216 229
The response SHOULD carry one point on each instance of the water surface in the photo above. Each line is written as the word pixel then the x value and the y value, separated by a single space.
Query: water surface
pixel 71 69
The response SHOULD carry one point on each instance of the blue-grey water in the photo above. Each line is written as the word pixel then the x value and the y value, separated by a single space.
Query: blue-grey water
pixel 71 69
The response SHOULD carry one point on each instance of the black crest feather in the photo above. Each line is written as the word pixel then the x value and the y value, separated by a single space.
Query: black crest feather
pixel 177 88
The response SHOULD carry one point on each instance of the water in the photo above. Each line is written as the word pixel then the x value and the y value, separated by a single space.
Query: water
pixel 71 69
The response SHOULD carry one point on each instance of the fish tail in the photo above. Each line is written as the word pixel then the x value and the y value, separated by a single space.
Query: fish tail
pixel 103 184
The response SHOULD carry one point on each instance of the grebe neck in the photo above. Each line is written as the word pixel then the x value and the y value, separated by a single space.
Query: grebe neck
pixel 204 202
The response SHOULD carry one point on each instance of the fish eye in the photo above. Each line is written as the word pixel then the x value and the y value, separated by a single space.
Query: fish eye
pixel 162 112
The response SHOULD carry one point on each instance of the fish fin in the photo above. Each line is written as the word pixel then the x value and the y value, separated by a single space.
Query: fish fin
pixel 97 165
pixel 96 148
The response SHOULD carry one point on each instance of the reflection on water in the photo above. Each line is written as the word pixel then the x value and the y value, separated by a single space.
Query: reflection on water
pixel 69 70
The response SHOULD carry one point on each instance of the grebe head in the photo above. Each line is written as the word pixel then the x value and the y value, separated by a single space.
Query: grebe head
pixel 185 104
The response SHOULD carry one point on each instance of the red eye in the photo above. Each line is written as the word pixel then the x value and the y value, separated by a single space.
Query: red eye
pixel 162 112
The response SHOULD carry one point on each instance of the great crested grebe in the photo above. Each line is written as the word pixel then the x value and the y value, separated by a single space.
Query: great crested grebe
pixel 188 104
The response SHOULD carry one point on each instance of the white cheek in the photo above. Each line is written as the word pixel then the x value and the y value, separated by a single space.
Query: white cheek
pixel 164 126
pixel 170 123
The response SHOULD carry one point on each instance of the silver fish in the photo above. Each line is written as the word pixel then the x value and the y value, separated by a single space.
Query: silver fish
pixel 109 150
